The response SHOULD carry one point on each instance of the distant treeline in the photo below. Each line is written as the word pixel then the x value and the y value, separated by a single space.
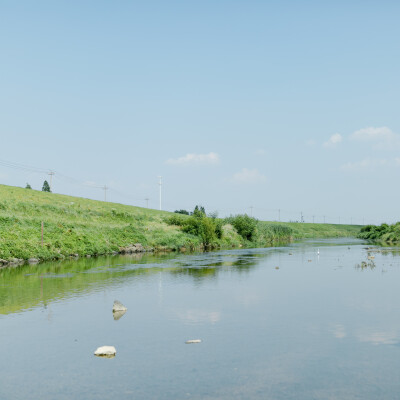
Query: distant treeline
pixel 385 232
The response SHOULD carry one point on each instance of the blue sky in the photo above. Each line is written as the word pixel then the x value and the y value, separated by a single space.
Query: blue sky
pixel 275 105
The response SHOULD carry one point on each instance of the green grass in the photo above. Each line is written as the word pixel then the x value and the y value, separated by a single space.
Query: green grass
pixel 306 230
pixel 74 225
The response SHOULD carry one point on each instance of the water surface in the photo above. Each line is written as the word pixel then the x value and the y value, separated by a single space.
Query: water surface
pixel 275 323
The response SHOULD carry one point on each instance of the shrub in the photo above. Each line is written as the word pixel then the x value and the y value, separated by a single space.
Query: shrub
pixel 203 227
pixel 175 220
pixel 245 225
pixel 219 228
pixel 385 232
pixel 198 224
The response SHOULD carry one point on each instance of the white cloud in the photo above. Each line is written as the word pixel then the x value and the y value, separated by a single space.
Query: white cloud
pixel 368 163
pixel 195 159
pixel 334 140
pixel 249 176
pixel 381 137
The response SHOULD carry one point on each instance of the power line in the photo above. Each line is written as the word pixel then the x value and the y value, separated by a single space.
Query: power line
pixel 23 167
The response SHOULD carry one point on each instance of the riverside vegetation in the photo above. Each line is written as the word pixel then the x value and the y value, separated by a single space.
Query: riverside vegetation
pixel 383 233
pixel 75 226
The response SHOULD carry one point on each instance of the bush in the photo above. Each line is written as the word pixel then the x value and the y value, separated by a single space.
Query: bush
pixel 203 227
pixel 175 220
pixel 385 232
pixel 245 225
pixel 219 228
pixel 198 224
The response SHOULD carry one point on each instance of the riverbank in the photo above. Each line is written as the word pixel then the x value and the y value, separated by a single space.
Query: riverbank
pixel 384 233
pixel 77 227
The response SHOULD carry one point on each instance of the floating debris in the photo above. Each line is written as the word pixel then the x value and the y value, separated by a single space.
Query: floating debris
pixel 276 267
pixel 106 351
pixel 192 341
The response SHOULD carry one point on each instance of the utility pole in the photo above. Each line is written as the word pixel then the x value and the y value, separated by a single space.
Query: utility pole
pixel 160 183
pixel 147 202
pixel 324 218
pixel 313 218
pixel 51 173
pixel 105 188
pixel 301 216
pixel 279 215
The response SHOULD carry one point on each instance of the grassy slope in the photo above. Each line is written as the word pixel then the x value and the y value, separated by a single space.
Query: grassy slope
pixel 74 225
pixel 323 230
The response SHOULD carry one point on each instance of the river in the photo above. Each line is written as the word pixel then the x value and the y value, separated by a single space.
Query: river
pixel 317 319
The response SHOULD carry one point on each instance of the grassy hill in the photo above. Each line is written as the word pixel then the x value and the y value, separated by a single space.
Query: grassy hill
pixel 83 227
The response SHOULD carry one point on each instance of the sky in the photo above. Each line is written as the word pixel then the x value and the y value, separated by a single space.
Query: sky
pixel 279 109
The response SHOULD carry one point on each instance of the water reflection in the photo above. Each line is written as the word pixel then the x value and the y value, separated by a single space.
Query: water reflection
pixel 30 286
pixel 117 315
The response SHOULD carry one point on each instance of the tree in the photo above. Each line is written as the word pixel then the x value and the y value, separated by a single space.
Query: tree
pixel 28 186
pixel 199 211
pixel 182 212
pixel 46 187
